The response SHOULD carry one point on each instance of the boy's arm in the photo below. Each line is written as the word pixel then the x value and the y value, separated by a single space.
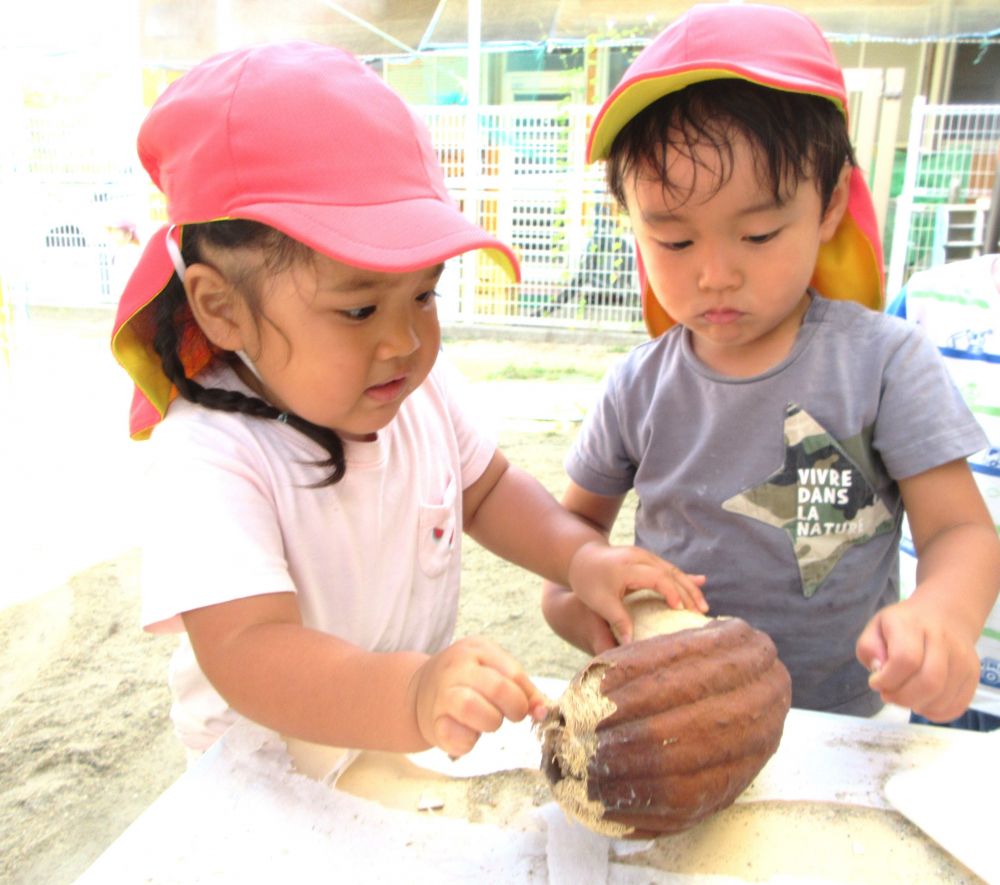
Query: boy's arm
pixel 311 685
pixel 921 651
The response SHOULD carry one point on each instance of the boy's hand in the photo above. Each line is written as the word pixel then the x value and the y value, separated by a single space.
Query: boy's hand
pixel 469 688
pixel 602 576
pixel 921 659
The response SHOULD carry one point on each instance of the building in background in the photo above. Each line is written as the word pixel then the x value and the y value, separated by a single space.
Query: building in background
pixel 577 49
pixel 509 127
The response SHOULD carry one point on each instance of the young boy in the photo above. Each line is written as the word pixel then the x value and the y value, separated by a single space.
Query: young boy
pixel 775 431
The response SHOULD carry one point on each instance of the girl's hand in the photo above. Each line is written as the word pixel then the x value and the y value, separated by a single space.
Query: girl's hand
pixel 569 617
pixel 920 658
pixel 469 688
pixel 602 576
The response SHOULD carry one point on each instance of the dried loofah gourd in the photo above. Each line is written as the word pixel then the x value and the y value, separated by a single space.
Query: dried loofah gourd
pixel 655 736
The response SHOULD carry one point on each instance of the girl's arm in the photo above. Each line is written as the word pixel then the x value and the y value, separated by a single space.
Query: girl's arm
pixel 514 516
pixel 921 651
pixel 564 611
pixel 311 685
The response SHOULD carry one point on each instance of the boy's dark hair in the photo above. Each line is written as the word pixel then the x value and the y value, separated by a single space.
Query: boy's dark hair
pixel 173 318
pixel 793 136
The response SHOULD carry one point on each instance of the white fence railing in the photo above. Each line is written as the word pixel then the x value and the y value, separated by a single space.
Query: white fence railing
pixel 528 184
pixel 74 197
pixel 68 170
pixel 79 199
pixel 951 165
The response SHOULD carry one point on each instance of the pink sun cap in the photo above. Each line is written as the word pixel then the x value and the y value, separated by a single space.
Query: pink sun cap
pixel 302 137
pixel 773 47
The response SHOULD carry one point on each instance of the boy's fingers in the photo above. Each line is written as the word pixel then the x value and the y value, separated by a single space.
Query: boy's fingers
pixel 874 669
pixel 952 704
pixel 905 659
pixel 871 651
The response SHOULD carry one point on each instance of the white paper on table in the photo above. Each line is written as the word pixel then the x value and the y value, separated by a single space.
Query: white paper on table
pixel 950 799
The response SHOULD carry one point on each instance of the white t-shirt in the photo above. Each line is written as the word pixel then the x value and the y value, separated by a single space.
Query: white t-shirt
pixel 374 560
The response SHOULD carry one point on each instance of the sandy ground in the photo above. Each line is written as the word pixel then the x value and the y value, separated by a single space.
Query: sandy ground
pixel 85 742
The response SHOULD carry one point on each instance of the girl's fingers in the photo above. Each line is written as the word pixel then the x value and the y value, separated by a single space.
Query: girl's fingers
pixel 538 703
pixel 505 697
pixel 613 611
pixel 495 687
pixel 678 588
pixel 453 737
pixel 694 599
pixel 621 627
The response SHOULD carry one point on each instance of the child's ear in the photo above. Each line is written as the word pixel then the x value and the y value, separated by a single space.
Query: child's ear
pixel 216 306
pixel 837 206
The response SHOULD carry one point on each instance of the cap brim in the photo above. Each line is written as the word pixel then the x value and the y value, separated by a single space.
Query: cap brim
pixel 392 237
pixel 633 95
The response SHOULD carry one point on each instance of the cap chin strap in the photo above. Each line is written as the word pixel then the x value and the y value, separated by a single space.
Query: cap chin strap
pixel 249 364
pixel 173 250
pixel 281 418
pixel 178 261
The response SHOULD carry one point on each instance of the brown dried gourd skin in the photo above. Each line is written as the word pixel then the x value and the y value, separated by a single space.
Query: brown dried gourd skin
pixel 655 736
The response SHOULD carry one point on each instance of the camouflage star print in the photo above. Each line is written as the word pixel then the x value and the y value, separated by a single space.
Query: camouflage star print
pixel 818 496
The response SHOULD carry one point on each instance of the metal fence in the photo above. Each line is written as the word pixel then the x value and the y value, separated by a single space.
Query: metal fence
pixel 951 165
pixel 85 207
pixel 82 205
pixel 529 185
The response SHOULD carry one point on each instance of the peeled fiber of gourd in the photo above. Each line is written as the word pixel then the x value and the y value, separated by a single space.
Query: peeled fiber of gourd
pixel 654 736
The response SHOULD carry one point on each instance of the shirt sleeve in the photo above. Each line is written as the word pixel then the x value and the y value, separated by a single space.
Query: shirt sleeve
pixel 211 533
pixel 923 420
pixel 475 433
pixel 599 461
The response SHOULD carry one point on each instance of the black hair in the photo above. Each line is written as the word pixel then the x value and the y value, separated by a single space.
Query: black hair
pixel 793 136
pixel 173 319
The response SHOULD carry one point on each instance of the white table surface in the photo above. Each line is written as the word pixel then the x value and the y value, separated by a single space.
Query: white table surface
pixel 242 814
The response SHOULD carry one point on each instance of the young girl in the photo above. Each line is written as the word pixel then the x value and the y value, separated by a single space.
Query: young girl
pixel 314 465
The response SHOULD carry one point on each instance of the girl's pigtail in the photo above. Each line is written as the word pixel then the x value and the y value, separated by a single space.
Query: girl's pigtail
pixel 172 313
